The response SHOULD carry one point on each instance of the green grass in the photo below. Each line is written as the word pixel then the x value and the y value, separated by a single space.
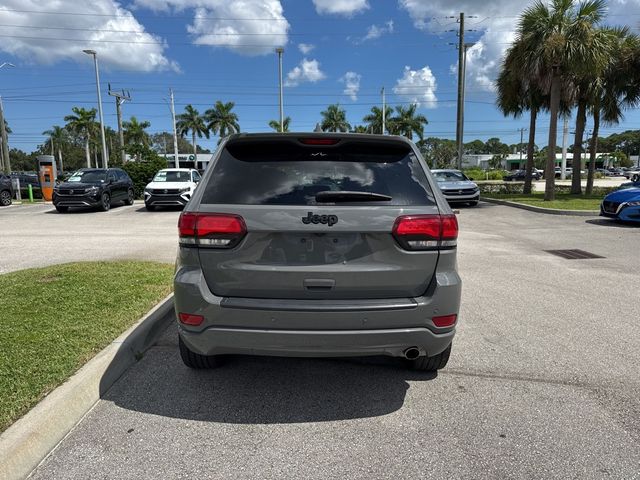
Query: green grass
pixel 563 201
pixel 54 319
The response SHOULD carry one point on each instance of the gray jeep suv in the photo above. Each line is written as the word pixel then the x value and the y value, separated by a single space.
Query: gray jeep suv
pixel 317 245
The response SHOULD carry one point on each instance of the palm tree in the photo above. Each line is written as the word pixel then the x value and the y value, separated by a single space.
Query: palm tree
pixel 361 129
pixel 82 124
pixel 334 119
pixel 191 121
pixel 374 119
pixel 618 87
pixel 221 120
pixel 275 124
pixel 134 132
pixel 516 93
pixel 58 136
pixel 560 42
pixel 406 122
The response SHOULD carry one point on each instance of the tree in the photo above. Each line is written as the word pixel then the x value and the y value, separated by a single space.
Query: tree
pixel 474 148
pixel 82 124
pixel 438 152
pixel 334 119
pixel 407 122
pixel 495 146
pixel 275 124
pixel 558 43
pixel 374 120
pixel 191 121
pixel 495 162
pixel 163 143
pixel 134 132
pixel 361 129
pixel 58 137
pixel 221 120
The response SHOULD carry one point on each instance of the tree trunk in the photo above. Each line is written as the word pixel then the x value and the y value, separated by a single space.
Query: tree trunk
pixel 87 152
pixel 195 147
pixel 593 149
pixel 532 139
pixel 549 171
pixel 581 120
pixel 95 157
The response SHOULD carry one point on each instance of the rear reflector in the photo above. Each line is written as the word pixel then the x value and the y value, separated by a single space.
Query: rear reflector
pixel 319 141
pixel 189 319
pixel 216 230
pixel 445 320
pixel 426 232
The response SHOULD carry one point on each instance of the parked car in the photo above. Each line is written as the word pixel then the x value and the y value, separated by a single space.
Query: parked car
pixel 171 186
pixel 632 174
pixel 519 176
pixel 6 190
pixel 317 245
pixel 616 172
pixel 622 204
pixel 94 187
pixel 457 187
pixel 568 172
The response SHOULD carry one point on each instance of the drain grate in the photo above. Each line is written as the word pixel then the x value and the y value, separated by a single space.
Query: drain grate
pixel 573 254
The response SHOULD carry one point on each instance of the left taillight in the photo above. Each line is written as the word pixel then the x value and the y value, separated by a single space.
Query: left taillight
pixel 211 230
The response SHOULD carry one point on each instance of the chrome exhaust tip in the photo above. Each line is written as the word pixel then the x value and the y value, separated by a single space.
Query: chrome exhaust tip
pixel 411 353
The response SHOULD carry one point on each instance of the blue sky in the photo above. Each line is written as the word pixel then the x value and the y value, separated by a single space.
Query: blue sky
pixel 206 50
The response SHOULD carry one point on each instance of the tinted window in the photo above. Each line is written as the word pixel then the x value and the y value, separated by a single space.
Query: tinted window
pixel 195 176
pixel 88 176
pixel 172 176
pixel 286 173
pixel 449 176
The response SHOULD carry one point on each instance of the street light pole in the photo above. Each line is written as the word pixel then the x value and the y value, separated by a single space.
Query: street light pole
pixel 6 161
pixel 175 131
pixel 105 160
pixel 384 107
pixel 280 51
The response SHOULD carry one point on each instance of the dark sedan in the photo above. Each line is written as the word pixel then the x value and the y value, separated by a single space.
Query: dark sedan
pixel 95 188
pixel 519 175
pixel 6 190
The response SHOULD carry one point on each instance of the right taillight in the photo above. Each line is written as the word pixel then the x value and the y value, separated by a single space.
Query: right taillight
pixel 213 230
pixel 426 232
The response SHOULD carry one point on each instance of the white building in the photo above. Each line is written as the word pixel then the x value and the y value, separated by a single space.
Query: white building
pixel 515 161
pixel 189 160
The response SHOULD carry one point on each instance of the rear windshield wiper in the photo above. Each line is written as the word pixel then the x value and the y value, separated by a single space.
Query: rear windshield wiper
pixel 348 196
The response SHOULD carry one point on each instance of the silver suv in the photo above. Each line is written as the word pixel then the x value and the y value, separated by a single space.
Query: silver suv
pixel 317 245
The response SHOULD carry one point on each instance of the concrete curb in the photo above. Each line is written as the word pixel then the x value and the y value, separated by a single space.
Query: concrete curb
pixel 28 441
pixel 549 211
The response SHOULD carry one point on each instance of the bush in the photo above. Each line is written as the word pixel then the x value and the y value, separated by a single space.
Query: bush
pixel 479 174
pixel 142 172
pixel 600 191
pixel 502 187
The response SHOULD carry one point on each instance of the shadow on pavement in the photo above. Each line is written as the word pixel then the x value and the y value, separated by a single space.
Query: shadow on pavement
pixel 170 208
pixel 611 222
pixel 263 390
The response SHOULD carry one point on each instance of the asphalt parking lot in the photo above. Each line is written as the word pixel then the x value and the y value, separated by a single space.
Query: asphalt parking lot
pixel 543 381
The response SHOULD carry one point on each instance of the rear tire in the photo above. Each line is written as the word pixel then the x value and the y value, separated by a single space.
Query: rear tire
pixel 5 198
pixel 431 364
pixel 635 178
pixel 195 360
pixel 130 197
pixel 62 209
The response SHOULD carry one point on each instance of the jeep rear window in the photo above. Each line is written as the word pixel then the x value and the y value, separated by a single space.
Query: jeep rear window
pixel 286 173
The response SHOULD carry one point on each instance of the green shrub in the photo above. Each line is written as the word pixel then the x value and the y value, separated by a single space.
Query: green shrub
pixel 142 172
pixel 502 187
pixel 479 174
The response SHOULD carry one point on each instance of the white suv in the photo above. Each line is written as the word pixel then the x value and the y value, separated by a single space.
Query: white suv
pixel 170 187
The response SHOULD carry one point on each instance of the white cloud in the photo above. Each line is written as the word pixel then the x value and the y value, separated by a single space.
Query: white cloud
pixel 305 48
pixel 120 40
pixel 351 82
pixel 248 27
pixel 340 7
pixel 483 59
pixel 417 86
pixel 307 71
pixel 376 31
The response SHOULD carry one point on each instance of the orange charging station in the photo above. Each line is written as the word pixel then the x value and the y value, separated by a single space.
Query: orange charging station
pixel 47 175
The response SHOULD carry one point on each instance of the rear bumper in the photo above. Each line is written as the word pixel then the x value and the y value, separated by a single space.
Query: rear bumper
pixel 320 328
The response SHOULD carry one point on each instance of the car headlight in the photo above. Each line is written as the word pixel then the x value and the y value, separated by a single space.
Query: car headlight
pixel 147 190
pixel 633 204
pixel 91 190
pixel 184 190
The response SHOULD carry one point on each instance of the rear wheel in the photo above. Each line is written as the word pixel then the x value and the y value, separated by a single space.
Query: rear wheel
pixel 5 198
pixel 431 364
pixel 105 202
pixel 636 177
pixel 130 197
pixel 195 360
pixel 62 209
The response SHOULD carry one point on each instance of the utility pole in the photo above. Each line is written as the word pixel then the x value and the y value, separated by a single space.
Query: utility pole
pixel 565 136
pixel 280 51
pixel 522 130
pixel 105 157
pixel 384 113
pixel 120 99
pixel 460 115
pixel 6 164
pixel 175 132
